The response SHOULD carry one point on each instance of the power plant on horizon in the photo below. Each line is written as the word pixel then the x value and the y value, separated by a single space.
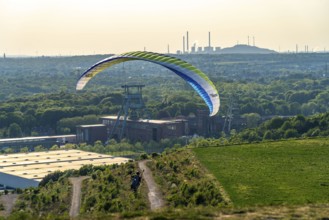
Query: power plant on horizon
pixel 198 49
pixel 195 49
pixel 248 47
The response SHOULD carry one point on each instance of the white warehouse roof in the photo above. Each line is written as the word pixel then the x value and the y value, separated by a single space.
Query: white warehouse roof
pixel 33 166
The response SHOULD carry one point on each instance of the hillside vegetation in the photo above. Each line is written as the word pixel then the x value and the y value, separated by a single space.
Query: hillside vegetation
pixel 184 183
pixel 293 172
pixel 107 191
pixel 107 194
pixel 283 179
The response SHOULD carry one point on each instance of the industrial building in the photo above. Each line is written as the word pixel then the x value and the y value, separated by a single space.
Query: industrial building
pixel 146 130
pixel 91 133
pixel 134 130
pixel 129 124
pixel 45 141
pixel 197 49
pixel 238 48
pixel 25 170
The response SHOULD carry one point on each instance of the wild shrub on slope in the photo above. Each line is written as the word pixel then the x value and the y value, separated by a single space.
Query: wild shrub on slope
pixel 108 191
pixel 184 182
pixel 47 201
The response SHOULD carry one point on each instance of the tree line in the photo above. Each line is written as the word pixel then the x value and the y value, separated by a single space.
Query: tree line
pixel 38 95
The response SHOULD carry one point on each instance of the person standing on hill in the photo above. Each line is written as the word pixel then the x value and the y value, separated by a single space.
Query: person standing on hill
pixel 136 181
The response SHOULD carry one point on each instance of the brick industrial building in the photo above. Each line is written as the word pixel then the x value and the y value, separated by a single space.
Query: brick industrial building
pixel 135 130
pixel 147 130
pixel 129 123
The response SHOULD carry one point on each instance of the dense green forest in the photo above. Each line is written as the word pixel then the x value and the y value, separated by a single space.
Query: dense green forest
pixel 24 76
pixel 38 94
pixel 277 128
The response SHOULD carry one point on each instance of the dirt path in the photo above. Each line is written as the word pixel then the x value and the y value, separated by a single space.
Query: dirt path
pixel 154 193
pixel 76 195
pixel 8 202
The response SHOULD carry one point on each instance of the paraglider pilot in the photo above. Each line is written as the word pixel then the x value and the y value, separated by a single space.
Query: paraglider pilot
pixel 136 181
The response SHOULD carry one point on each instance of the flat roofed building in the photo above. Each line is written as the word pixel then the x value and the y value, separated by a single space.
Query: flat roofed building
pixel 146 130
pixel 24 170
pixel 208 49
pixel 46 141
pixel 91 133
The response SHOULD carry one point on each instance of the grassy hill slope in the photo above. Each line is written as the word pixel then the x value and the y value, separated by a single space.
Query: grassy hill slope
pixel 286 179
pixel 293 172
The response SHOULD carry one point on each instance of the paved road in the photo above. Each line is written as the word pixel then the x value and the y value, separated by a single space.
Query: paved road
pixel 154 194
pixel 76 195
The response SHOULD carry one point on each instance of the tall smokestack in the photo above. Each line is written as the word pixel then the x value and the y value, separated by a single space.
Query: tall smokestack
pixel 209 39
pixel 187 47
pixel 183 44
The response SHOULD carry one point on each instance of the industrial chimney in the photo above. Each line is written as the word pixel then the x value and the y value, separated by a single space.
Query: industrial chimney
pixel 187 47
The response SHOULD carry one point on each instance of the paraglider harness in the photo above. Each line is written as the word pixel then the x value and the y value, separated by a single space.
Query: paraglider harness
pixel 136 181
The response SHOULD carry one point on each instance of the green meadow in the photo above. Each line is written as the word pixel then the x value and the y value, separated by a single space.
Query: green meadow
pixel 293 172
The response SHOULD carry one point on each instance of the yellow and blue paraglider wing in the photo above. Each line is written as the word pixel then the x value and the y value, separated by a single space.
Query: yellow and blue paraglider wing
pixel 196 78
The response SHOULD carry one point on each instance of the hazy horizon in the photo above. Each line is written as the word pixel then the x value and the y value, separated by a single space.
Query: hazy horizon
pixel 72 27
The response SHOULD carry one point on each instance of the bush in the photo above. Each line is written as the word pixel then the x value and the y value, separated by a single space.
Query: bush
pixel 183 181
pixel 90 202
pixel 19 191
pixel 199 199
pixel 143 156
pixel 51 177
pixel 21 205
pixel 86 170
pixel 291 133
pixel 154 155
pixel 313 132
pixel 274 123
pixel 268 135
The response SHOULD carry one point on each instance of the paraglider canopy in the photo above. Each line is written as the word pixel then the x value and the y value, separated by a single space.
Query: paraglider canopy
pixel 195 77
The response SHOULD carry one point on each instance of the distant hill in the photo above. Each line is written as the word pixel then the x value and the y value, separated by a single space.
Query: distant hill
pixel 243 48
